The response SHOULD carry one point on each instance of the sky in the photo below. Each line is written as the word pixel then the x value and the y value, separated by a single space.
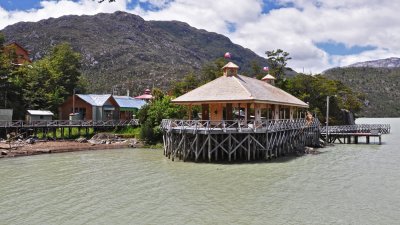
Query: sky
pixel 318 34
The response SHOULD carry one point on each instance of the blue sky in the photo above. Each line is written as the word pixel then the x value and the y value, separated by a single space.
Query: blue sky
pixel 34 4
pixel 317 34
pixel 19 5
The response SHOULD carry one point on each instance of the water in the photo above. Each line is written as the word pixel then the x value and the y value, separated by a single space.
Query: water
pixel 345 184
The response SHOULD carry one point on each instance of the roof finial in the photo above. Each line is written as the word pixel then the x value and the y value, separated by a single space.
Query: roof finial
pixel 227 55
pixel 230 69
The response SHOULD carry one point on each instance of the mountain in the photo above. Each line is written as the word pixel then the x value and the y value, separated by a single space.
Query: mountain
pixel 123 51
pixel 392 62
pixel 379 84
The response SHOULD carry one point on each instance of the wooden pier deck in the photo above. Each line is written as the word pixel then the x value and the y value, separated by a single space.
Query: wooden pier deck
pixel 235 140
pixel 51 126
pixel 350 134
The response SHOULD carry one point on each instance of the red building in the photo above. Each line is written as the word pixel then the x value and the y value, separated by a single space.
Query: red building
pixel 100 107
pixel 17 53
pixel 146 96
pixel 89 107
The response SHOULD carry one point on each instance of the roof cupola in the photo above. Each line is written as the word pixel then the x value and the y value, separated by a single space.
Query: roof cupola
pixel 269 79
pixel 230 69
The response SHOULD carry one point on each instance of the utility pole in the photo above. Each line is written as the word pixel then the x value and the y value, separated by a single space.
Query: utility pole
pixel 73 102
pixel 327 119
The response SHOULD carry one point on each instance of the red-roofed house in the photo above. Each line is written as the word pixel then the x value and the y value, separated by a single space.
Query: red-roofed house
pixel 146 96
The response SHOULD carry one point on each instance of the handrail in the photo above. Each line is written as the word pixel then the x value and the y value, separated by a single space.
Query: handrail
pixel 67 123
pixel 211 125
pixel 358 128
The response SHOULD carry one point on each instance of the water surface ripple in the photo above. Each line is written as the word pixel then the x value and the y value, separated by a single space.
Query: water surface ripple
pixel 345 184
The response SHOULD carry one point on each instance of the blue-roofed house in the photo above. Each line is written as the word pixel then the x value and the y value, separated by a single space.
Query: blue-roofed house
pixel 128 106
pixel 89 107
pixel 100 107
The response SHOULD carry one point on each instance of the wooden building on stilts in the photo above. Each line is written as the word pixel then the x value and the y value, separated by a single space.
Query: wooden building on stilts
pixel 241 118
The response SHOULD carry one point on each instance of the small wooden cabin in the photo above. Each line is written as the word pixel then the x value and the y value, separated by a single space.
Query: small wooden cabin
pixel 39 115
pixel 232 95
pixel 128 106
pixel 6 115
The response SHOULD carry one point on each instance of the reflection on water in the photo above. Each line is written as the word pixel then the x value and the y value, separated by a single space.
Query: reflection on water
pixel 346 184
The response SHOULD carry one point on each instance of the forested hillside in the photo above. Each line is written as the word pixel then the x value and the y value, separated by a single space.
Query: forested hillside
pixel 380 86
pixel 123 51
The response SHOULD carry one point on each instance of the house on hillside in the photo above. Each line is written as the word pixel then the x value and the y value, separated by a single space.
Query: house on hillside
pixel 100 107
pixel 222 98
pixel 18 53
pixel 39 115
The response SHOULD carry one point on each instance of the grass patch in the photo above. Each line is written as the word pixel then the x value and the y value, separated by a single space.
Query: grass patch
pixel 74 133
pixel 128 132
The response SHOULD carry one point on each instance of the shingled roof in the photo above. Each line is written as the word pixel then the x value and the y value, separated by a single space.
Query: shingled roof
pixel 239 88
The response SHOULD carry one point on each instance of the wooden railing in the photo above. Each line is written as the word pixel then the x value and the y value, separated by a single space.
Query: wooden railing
pixel 68 123
pixel 213 125
pixel 359 128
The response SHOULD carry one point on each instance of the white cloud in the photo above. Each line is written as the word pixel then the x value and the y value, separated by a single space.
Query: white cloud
pixel 209 14
pixel 298 29
pixel 295 28
pixel 58 8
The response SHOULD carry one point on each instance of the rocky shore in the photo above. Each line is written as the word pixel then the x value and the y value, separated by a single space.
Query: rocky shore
pixel 33 146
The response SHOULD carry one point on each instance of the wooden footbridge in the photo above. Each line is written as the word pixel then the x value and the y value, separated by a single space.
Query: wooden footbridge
pixel 350 134
pixel 65 126
pixel 234 140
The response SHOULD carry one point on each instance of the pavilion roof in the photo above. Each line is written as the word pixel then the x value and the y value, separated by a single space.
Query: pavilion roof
pixel 239 88
pixel 268 77
pixel 231 65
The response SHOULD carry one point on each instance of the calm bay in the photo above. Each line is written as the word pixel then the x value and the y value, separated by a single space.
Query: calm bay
pixel 344 184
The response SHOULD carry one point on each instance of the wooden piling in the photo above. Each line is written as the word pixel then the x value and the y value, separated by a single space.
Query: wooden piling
pixel 232 140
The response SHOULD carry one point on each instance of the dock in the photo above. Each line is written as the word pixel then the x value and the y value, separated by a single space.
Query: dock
pixel 64 126
pixel 236 140
pixel 350 134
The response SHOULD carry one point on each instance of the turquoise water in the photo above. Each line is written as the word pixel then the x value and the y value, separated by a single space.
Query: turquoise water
pixel 345 184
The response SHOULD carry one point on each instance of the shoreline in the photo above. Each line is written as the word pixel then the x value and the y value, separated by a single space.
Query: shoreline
pixel 51 147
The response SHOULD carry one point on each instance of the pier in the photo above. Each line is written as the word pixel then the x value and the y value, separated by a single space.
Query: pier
pixel 65 126
pixel 350 134
pixel 237 140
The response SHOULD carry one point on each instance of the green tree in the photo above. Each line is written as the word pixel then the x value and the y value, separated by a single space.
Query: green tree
pixel 4 72
pixel 151 115
pixel 277 61
pixel 49 81
pixel 315 89
pixel 188 83
pixel 212 70
pixel 256 70
pixel 9 90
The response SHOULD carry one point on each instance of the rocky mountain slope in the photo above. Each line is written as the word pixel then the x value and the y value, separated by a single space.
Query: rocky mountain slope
pixel 379 84
pixel 124 51
pixel 392 62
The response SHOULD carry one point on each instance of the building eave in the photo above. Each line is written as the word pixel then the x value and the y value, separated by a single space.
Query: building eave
pixel 239 101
